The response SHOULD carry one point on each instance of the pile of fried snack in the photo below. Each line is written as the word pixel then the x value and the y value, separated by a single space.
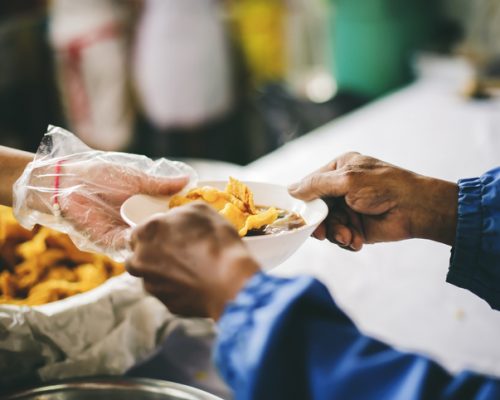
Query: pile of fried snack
pixel 42 265
pixel 235 203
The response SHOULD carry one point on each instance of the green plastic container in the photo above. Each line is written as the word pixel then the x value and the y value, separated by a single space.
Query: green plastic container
pixel 374 40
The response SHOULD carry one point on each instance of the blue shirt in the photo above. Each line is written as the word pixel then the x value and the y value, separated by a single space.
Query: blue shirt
pixel 287 339
pixel 475 258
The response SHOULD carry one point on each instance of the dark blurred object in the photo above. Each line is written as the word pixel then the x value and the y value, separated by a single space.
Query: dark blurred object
pixel 287 117
pixel 13 8
pixel 28 98
pixel 486 83
pixel 223 139
pixel 480 44
pixel 447 32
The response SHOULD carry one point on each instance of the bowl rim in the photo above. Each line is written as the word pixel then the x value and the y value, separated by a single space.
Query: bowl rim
pixel 150 385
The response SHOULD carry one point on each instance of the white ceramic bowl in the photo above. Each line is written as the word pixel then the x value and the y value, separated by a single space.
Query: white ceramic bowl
pixel 269 250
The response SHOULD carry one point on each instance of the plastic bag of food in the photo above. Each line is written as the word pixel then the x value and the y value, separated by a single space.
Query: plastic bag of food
pixel 79 191
pixel 104 331
pixel 66 313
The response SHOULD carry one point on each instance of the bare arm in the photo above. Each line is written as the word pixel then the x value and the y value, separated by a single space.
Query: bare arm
pixel 12 164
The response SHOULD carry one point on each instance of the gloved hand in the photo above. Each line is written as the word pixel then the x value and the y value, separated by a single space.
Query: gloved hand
pixel 77 190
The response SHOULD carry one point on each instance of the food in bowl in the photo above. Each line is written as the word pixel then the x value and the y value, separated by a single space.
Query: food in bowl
pixel 268 249
pixel 42 265
pixel 236 204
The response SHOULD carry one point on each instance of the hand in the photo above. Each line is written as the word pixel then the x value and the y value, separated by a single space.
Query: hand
pixel 92 192
pixel 372 201
pixel 90 186
pixel 192 259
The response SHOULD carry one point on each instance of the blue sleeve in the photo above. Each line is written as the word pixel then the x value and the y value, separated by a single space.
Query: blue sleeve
pixel 287 339
pixel 475 257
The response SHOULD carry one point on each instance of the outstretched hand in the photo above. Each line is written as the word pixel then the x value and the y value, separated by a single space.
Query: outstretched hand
pixel 372 201
pixel 69 187
pixel 192 259
pixel 92 192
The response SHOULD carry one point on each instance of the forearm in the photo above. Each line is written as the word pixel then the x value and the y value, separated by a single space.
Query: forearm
pixel 12 164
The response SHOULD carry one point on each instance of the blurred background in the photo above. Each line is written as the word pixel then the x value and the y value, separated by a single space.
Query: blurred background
pixel 226 80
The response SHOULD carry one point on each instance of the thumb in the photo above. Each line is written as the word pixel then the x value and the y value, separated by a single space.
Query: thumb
pixel 159 185
pixel 320 184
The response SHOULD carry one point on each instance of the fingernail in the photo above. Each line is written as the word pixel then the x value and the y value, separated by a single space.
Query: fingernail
pixel 293 187
pixel 318 236
pixel 340 240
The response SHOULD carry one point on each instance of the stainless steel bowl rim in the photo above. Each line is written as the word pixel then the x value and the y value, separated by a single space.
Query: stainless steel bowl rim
pixel 138 384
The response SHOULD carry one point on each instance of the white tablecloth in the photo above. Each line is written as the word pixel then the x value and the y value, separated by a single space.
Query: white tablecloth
pixel 397 292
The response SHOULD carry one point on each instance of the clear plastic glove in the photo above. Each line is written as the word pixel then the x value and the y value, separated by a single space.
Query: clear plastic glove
pixel 77 190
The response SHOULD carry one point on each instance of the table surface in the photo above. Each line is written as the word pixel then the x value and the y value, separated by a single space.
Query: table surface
pixel 397 291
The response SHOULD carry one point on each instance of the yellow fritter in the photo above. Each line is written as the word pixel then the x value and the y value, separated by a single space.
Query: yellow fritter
pixel 216 198
pixel 234 215
pixel 243 193
pixel 235 203
pixel 42 265
pixel 258 220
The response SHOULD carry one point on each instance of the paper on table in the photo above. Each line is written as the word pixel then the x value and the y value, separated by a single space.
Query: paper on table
pixel 104 331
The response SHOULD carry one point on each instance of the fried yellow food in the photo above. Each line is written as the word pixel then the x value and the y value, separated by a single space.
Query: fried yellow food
pixel 242 193
pixel 41 266
pixel 235 203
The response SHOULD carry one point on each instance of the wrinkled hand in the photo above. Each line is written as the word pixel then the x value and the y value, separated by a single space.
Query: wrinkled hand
pixel 372 201
pixel 191 259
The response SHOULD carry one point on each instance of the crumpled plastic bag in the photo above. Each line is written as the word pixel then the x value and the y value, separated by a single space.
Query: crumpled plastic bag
pixel 101 332
pixel 78 190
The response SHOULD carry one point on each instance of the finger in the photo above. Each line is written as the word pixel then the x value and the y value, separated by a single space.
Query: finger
pixel 337 215
pixel 148 230
pixel 330 166
pixel 95 221
pixel 320 232
pixel 346 233
pixel 132 268
pixel 337 211
pixel 322 184
pixel 357 241
pixel 326 168
pixel 355 221
pixel 339 234
pixel 136 266
pixel 115 238
pixel 163 186
pixel 339 162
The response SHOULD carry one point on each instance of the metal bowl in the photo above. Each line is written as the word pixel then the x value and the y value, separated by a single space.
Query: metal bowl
pixel 111 389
